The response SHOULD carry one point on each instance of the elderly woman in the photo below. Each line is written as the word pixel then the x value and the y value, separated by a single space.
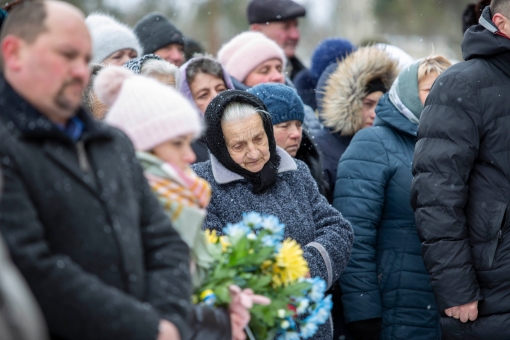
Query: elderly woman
pixel 152 66
pixel 248 172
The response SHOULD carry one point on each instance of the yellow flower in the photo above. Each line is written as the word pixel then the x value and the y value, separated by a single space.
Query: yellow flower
pixel 211 236
pixel 224 243
pixel 290 263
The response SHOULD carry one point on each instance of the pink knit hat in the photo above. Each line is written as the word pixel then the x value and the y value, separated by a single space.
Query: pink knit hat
pixel 149 112
pixel 246 51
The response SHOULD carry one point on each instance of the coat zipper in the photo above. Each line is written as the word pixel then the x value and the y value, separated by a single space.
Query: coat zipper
pixel 82 156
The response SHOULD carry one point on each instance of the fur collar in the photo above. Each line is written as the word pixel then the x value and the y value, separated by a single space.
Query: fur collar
pixel 345 88
pixel 223 176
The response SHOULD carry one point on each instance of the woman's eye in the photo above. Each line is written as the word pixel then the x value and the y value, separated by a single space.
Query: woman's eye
pixel 177 144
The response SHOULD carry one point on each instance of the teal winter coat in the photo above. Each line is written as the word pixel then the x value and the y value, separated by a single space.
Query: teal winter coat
pixel 386 277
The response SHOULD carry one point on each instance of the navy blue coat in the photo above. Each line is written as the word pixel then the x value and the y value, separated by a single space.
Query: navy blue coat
pixel 386 277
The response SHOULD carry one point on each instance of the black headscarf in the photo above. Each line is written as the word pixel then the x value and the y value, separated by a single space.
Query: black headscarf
pixel 266 177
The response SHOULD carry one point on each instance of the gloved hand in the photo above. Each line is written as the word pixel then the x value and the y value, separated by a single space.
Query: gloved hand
pixel 242 301
pixel 365 329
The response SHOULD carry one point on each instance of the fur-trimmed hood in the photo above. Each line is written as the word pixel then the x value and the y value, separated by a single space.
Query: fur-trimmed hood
pixel 346 88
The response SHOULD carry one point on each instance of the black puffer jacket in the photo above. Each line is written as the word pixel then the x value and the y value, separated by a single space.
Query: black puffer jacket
pixel 461 188
pixel 84 229
pixel 309 153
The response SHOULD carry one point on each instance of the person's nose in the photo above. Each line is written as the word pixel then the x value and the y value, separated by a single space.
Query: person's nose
pixel 293 33
pixel 295 133
pixel 253 153
pixel 276 77
pixel 80 70
pixel 125 58
pixel 177 57
pixel 189 156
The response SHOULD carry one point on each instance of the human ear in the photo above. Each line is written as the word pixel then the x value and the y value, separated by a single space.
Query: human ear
pixel 11 52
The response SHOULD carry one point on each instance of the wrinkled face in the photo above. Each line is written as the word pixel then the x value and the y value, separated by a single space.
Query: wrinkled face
pixel 176 151
pixel 120 57
pixel 247 142
pixel 270 71
pixel 52 72
pixel 288 136
pixel 425 84
pixel 284 33
pixel 204 88
pixel 368 109
pixel 173 53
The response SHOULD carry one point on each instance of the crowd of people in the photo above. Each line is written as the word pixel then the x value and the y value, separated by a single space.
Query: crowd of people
pixel 120 145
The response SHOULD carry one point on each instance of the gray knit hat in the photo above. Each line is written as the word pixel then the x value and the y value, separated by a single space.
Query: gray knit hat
pixel 109 36
pixel 155 31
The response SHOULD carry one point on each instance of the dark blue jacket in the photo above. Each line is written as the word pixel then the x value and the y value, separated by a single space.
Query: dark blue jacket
pixel 386 276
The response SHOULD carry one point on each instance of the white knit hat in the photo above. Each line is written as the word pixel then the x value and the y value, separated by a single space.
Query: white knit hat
pixel 109 36
pixel 149 112
pixel 243 53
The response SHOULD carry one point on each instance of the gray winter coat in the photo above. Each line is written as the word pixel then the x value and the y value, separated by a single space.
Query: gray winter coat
pixel 326 237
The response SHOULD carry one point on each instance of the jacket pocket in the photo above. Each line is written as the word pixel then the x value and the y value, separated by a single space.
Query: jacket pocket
pixel 502 222
pixel 384 269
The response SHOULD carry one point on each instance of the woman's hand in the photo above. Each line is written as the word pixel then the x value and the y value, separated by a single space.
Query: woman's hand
pixel 242 301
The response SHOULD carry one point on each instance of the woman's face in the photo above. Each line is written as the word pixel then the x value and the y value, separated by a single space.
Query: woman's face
pixel 368 109
pixel 176 151
pixel 120 57
pixel 247 142
pixel 270 71
pixel 288 136
pixel 204 88
pixel 425 84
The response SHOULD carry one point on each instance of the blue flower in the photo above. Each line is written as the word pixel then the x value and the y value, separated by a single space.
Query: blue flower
pixel 321 314
pixel 308 329
pixel 273 225
pixel 252 219
pixel 236 231
pixel 302 306
pixel 270 241
pixel 318 289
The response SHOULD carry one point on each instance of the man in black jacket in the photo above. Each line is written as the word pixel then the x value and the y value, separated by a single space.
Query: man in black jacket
pixel 278 20
pixel 461 188
pixel 77 214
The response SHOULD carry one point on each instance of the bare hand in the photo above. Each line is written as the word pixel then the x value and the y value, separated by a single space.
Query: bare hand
pixel 466 312
pixel 242 301
pixel 167 331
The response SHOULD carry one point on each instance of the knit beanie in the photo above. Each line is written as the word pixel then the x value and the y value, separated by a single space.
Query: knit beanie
pixel 266 177
pixel 109 36
pixel 328 52
pixel 282 102
pixel 149 112
pixel 243 53
pixel 404 92
pixel 155 31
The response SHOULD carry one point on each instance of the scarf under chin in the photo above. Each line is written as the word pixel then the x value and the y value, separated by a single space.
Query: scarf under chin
pixel 266 177
pixel 182 187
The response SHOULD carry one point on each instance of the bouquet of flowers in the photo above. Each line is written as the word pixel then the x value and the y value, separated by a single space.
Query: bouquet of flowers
pixel 252 254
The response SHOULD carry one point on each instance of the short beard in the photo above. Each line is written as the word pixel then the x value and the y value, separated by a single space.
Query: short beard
pixel 62 101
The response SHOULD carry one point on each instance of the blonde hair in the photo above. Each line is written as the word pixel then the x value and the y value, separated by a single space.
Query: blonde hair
pixel 432 64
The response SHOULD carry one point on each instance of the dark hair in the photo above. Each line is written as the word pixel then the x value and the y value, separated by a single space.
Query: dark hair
pixel 25 20
pixel 500 6
pixel 204 65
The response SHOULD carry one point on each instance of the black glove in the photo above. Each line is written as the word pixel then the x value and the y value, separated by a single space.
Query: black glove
pixel 365 329
pixel 210 323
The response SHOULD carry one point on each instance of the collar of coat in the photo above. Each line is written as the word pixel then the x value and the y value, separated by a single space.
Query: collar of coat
pixel 33 124
pixel 223 176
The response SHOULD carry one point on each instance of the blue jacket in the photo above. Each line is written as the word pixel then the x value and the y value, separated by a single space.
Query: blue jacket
pixel 386 276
